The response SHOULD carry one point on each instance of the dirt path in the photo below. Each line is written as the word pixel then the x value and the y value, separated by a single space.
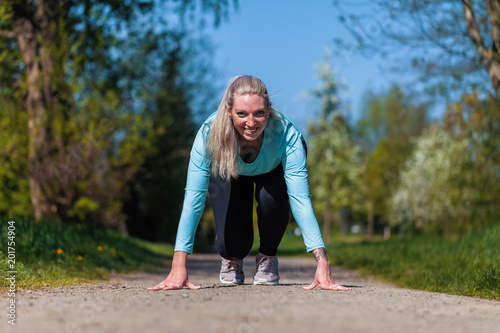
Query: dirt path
pixel 124 305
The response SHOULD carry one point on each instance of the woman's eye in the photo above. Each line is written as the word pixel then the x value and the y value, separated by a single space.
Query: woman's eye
pixel 240 114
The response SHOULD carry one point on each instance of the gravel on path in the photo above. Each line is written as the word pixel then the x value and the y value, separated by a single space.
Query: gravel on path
pixel 122 304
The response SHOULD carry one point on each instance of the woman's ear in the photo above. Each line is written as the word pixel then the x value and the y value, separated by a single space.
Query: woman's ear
pixel 229 114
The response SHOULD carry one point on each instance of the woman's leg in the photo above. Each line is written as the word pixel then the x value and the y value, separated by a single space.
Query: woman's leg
pixel 232 204
pixel 272 210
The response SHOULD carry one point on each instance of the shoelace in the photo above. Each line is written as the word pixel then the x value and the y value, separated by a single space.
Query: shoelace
pixel 267 264
pixel 230 265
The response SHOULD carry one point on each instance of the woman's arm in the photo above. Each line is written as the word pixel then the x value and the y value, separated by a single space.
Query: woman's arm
pixel 198 177
pixel 194 202
pixel 323 276
pixel 178 277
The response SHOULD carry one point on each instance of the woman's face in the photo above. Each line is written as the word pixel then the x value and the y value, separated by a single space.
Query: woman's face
pixel 249 114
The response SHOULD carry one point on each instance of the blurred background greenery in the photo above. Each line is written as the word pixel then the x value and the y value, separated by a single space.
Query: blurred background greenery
pixel 100 101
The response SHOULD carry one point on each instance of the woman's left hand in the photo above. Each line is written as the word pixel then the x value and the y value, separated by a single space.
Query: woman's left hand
pixel 323 276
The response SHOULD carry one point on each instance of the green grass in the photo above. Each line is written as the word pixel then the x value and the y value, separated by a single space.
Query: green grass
pixel 292 245
pixel 51 254
pixel 468 266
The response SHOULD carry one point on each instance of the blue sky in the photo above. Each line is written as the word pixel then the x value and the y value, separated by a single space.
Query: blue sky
pixel 281 42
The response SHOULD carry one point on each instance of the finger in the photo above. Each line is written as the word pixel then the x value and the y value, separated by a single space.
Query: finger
pixel 337 287
pixel 172 287
pixel 192 286
pixel 311 286
pixel 158 287
pixel 342 288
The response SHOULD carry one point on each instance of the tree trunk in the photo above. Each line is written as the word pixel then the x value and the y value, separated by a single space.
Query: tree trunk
pixel 490 58
pixel 344 217
pixel 28 45
pixel 327 223
pixel 371 218
pixel 30 29
pixel 494 68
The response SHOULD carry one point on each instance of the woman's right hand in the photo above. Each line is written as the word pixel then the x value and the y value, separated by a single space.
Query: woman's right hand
pixel 177 278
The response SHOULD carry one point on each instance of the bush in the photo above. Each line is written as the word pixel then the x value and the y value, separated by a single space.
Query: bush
pixel 49 253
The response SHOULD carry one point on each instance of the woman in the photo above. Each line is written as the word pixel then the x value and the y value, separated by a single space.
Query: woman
pixel 245 146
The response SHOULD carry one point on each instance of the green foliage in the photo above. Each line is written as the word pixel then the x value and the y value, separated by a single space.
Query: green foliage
pixel 51 254
pixel 424 198
pixel 328 93
pixel 389 122
pixel 451 182
pixel 82 207
pixel 153 209
pixel 14 187
pixel 468 266
pixel 107 68
pixel 394 114
pixel 336 167
pixel 86 143
pixel 335 161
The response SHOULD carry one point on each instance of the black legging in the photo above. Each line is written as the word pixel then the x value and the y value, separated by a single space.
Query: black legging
pixel 232 203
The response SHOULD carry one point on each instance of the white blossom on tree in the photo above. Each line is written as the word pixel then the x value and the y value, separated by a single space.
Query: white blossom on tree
pixel 430 194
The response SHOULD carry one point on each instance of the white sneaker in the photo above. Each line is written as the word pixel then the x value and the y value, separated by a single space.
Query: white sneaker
pixel 267 270
pixel 231 271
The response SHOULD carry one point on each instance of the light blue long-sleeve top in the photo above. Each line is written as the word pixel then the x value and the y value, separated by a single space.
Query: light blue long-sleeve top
pixel 282 144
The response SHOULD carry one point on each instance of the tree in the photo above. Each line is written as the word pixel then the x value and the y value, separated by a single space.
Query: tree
pixel 389 122
pixel 451 183
pixel 157 189
pixel 457 42
pixel 335 162
pixel 336 171
pixel 478 121
pixel 424 198
pixel 61 60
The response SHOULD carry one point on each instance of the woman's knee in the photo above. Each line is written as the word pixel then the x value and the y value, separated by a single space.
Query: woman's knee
pixel 234 249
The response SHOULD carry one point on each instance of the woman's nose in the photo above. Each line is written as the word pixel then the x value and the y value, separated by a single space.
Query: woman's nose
pixel 250 121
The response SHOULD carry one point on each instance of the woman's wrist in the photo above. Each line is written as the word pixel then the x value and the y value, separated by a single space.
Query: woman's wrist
pixel 179 259
pixel 320 256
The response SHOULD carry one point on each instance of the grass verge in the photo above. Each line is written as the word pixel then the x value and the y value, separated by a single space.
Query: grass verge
pixel 50 254
pixel 468 266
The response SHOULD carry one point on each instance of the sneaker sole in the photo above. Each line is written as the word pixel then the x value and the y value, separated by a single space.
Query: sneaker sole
pixel 230 282
pixel 264 282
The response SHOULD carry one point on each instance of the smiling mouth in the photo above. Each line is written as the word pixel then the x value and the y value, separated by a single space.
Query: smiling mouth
pixel 251 131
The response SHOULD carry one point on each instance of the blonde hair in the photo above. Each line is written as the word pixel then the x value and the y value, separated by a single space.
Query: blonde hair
pixel 222 141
